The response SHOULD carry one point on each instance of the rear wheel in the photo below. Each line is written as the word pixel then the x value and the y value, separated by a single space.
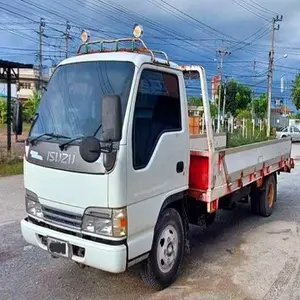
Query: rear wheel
pixel 263 198
pixel 162 266
pixel 268 197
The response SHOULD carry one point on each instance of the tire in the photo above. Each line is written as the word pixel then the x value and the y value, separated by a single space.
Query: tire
pixel 268 197
pixel 162 266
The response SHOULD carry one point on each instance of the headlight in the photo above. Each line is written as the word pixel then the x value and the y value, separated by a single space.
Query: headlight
pixel 103 221
pixel 33 207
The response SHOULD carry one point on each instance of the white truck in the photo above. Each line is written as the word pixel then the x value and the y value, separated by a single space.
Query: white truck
pixel 112 176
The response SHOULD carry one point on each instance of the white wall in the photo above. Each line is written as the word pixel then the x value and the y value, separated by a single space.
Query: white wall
pixel 3 89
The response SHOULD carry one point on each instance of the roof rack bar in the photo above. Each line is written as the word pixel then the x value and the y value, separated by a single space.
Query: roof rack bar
pixel 133 47
pixel 162 53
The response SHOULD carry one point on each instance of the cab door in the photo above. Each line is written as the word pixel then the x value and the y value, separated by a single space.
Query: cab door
pixel 158 150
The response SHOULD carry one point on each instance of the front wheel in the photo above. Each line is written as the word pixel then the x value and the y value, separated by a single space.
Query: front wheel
pixel 161 268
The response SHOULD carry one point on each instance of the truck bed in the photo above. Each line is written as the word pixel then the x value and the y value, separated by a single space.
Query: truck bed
pixel 213 175
pixel 199 141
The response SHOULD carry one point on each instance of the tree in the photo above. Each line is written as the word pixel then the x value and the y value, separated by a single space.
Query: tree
pixel 213 110
pixel 243 114
pixel 30 106
pixel 260 106
pixel 295 116
pixel 195 101
pixel 296 91
pixel 238 96
pixel 3 111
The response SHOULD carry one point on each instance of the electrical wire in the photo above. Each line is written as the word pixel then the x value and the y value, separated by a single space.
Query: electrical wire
pixel 249 10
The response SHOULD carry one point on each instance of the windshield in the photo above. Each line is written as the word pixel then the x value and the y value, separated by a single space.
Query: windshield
pixel 72 104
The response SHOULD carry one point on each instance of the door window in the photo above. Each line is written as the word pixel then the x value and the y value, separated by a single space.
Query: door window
pixel 157 110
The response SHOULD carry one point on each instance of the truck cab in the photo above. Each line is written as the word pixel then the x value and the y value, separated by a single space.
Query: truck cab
pixel 108 150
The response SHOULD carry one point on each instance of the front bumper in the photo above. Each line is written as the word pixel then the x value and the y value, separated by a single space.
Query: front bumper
pixel 110 258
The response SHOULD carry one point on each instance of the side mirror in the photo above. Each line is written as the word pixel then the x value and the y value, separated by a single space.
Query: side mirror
pixel 90 149
pixel 111 118
pixel 17 119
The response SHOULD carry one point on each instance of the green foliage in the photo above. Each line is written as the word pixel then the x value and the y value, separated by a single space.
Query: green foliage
pixel 213 110
pixel 243 114
pixel 195 101
pixel 31 105
pixel 296 91
pixel 9 167
pixel 236 138
pixel 260 106
pixel 3 111
pixel 238 97
pixel 295 116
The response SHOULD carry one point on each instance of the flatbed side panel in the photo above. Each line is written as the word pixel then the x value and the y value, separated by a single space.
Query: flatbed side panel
pixel 237 167
pixel 244 157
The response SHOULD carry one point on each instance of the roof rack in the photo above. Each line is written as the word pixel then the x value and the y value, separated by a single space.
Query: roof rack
pixel 116 48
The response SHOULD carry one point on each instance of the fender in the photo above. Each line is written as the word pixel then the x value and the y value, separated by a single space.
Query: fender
pixel 173 198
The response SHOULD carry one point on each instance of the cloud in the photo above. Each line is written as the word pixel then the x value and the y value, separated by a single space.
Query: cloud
pixel 220 24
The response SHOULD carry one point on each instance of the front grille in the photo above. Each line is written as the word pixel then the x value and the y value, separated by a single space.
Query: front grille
pixel 62 217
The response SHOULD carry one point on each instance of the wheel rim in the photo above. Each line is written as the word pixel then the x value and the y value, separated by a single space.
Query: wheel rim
pixel 167 249
pixel 271 195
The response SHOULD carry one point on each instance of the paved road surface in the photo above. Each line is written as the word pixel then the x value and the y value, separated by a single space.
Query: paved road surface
pixel 241 256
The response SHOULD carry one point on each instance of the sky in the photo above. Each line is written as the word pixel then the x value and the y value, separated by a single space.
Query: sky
pixel 189 31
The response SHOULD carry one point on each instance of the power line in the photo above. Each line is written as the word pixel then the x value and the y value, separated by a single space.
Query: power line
pixel 244 5
pixel 256 36
pixel 264 8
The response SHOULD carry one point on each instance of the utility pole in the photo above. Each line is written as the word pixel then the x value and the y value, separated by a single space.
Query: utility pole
pixel 40 55
pixel 222 53
pixel 67 37
pixel 224 103
pixel 253 89
pixel 270 71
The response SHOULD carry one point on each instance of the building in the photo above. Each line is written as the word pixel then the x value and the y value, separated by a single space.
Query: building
pixel 280 116
pixel 215 83
pixel 29 82
pixel 195 110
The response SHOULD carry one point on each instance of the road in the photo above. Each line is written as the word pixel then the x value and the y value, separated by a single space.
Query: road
pixel 241 256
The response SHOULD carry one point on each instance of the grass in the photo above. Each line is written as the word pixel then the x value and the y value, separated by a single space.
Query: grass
pixel 10 167
pixel 236 138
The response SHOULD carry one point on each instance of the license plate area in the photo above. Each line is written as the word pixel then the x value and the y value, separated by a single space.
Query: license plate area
pixel 57 247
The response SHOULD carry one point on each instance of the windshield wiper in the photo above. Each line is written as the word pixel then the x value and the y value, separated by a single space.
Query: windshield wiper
pixel 62 146
pixel 50 134
pixel 97 129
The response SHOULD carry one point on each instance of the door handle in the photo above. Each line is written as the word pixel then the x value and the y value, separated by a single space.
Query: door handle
pixel 180 167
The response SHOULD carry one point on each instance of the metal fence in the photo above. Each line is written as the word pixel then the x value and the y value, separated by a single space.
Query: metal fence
pixel 245 127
